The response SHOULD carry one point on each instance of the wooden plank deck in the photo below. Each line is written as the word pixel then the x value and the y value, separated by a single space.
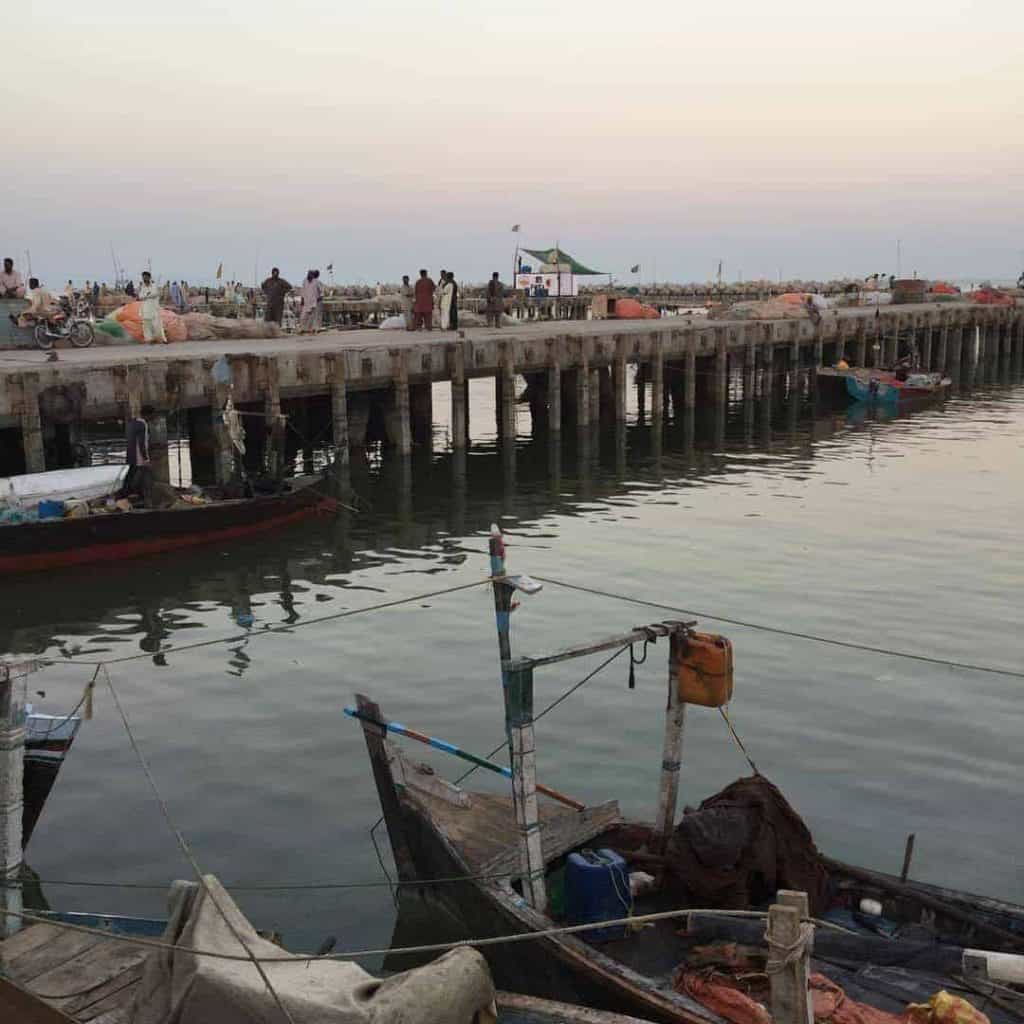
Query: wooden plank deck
pixel 486 834
pixel 84 977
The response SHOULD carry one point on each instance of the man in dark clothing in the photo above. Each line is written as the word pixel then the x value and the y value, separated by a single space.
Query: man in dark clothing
pixel 275 288
pixel 423 303
pixel 495 301
pixel 139 478
pixel 453 322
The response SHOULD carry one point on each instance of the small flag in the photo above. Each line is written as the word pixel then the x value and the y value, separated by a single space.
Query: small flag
pixel 515 227
pixel 635 269
pixel 330 268
pixel 220 271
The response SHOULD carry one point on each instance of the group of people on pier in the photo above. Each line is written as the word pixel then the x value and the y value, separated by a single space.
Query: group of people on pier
pixel 420 300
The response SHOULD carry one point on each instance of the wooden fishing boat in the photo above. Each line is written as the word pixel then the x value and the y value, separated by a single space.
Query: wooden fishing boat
pixel 882 386
pixel 113 536
pixel 505 862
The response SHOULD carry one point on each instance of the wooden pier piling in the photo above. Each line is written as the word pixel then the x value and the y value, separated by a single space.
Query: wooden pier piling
pixel 12 758
pixel 554 381
pixel 789 958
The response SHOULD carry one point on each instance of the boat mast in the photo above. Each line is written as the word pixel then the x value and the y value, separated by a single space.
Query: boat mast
pixel 517 688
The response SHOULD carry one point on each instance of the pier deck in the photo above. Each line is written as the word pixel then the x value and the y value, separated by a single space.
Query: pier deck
pixel 86 978
pixel 577 370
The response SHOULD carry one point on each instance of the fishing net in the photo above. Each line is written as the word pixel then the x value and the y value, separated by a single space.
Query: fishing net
pixel 740 847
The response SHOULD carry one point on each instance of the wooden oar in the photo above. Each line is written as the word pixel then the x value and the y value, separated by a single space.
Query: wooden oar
pixel 449 748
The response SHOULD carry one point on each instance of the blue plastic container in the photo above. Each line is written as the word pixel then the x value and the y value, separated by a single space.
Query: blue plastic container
pixel 51 509
pixel 597 889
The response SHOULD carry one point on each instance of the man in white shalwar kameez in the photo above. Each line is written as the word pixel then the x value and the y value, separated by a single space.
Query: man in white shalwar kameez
pixel 152 324
pixel 447 289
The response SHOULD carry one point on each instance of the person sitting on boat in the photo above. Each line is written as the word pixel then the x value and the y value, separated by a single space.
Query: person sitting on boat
pixel 139 478
pixel 903 368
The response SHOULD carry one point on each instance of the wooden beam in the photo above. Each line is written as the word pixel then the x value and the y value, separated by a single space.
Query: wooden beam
pixel 671 753
pixel 788 964
pixel 386 792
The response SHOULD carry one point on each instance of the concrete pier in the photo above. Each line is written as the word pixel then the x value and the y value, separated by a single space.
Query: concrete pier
pixel 377 385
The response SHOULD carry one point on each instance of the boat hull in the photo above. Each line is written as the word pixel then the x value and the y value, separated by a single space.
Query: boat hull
pixel 48 739
pixel 56 544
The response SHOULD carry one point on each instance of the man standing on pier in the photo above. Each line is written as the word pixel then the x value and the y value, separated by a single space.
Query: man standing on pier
pixel 152 321
pixel 275 288
pixel 495 300
pixel 11 285
pixel 407 301
pixel 423 302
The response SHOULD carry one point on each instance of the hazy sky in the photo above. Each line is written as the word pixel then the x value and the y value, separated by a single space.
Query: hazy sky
pixel 797 136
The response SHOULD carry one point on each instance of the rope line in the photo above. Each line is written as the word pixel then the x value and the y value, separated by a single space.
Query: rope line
pixel 633 921
pixel 551 707
pixel 187 850
pixel 286 628
pixel 267 886
pixel 795 634
pixel 724 712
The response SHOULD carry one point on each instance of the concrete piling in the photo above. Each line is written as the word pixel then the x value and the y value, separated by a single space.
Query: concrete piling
pixel 554 375
pixel 658 380
pixel 31 424
pixel 403 422
pixel 339 408
pixel 690 377
pixel 619 380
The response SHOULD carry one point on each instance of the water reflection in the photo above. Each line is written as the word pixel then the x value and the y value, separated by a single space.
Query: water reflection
pixel 410 513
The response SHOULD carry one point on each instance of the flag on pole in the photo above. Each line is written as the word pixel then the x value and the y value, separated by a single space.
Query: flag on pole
pixel 635 269
pixel 220 271
pixel 515 228
pixel 330 268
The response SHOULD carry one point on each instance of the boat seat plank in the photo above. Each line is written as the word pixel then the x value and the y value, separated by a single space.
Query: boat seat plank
pixel 559 835
pixel 59 950
pixel 118 1000
pixel 484 829
pixel 119 991
pixel 86 978
pixel 26 940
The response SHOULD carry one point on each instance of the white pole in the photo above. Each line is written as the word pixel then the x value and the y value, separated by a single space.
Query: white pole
pixel 672 747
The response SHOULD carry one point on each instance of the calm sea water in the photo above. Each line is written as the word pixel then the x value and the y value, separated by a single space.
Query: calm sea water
pixel 900 532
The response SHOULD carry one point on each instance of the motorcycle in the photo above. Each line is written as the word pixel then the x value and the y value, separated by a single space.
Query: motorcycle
pixel 63 324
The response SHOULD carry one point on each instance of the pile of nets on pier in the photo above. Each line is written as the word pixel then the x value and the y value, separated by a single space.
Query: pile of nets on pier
pixel 125 323
pixel 790 306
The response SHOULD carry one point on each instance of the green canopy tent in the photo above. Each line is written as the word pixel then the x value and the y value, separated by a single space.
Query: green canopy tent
pixel 559 259
pixel 555 262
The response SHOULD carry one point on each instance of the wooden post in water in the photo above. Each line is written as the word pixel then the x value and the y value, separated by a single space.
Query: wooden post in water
pixel 861 353
pixel 658 381
pixel 583 386
pixel 554 387
pixel 789 965
pixel 32 425
pixel 672 749
pixel 507 383
pixel 400 371
pixel 690 378
pixel 619 379
pixel 460 396
pixel 12 798
pixel 339 407
pixel 519 723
